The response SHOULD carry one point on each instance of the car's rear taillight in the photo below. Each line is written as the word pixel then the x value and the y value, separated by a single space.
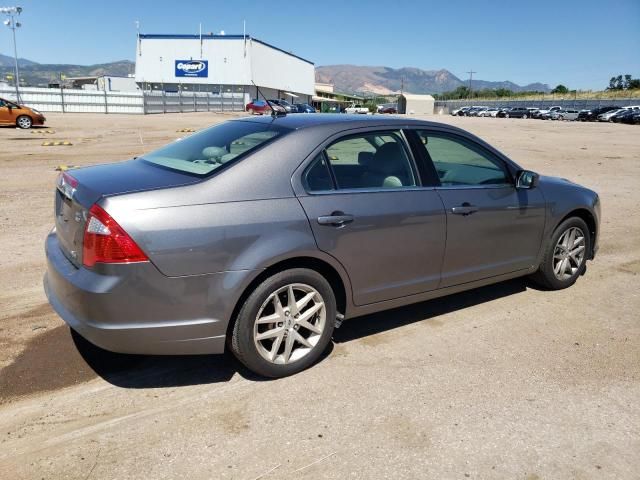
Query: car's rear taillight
pixel 106 242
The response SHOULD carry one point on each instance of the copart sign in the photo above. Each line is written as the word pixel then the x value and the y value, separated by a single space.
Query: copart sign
pixel 192 68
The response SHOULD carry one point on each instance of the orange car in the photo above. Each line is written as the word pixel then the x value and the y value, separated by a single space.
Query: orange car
pixel 19 115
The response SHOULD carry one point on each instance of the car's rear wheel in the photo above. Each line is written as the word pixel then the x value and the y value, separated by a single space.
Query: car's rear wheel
pixel 565 255
pixel 286 324
pixel 23 121
pixel 506 115
pixel 524 116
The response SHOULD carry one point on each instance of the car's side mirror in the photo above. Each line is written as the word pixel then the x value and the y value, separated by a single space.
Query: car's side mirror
pixel 527 179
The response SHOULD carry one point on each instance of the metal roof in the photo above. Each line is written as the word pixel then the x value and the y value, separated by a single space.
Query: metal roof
pixel 211 36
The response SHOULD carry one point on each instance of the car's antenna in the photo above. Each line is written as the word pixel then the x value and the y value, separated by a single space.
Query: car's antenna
pixel 273 110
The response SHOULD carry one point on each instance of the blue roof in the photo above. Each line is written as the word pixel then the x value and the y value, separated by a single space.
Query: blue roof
pixel 211 36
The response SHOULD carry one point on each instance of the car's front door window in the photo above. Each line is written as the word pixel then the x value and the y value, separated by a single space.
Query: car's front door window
pixel 459 162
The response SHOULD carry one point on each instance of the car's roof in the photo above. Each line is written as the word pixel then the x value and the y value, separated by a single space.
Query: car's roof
pixel 296 121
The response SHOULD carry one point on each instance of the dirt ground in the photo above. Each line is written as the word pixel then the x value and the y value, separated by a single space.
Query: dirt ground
pixel 501 382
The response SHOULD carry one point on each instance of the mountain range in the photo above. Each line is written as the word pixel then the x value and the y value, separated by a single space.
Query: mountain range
pixel 41 74
pixel 346 78
pixel 385 80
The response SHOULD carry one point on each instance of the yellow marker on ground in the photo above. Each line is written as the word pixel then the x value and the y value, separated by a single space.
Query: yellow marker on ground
pixel 63 167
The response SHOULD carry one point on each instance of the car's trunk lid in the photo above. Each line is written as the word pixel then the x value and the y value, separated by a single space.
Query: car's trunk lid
pixel 77 190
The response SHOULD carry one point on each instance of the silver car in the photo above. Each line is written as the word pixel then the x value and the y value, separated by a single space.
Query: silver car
pixel 263 234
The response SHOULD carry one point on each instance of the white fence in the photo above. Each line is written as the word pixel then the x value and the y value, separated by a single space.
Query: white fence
pixel 91 101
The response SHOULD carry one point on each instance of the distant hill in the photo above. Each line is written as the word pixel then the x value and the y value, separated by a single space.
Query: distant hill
pixel 385 80
pixel 41 74
pixel 6 61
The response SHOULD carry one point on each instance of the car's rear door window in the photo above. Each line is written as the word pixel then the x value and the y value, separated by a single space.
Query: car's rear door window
pixel 317 177
pixel 373 160
pixel 459 162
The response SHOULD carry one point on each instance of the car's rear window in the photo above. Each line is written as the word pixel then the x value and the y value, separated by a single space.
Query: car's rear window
pixel 204 152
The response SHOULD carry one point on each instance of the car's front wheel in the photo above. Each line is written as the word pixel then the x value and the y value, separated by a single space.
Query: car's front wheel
pixel 23 121
pixel 565 256
pixel 285 324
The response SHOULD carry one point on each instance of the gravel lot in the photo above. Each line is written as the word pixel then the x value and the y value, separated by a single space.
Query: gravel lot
pixel 501 382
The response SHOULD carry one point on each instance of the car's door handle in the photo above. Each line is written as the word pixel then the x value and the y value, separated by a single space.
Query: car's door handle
pixel 337 219
pixel 464 209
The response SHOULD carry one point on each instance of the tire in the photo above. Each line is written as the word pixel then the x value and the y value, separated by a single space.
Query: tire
pixel 524 117
pixel 257 353
pixel 24 122
pixel 251 112
pixel 561 118
pixel 546 276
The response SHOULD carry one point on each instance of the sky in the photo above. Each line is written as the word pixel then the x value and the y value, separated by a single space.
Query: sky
pixel 579 43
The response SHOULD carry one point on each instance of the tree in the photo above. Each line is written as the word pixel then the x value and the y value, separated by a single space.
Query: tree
pixel 623 82
pixel 504 92
pixel 616 83
pixel 561 89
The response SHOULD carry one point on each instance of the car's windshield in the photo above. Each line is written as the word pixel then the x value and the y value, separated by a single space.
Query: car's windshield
pixel 205 151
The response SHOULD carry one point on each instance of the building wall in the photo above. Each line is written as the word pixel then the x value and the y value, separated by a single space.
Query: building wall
pixel 275 69
pixel 230 62
pixel 117 84
pixel 156 57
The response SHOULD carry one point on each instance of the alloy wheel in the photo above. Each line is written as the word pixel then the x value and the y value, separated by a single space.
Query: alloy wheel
pixel 24 122
pixel 569 253
pixel 289 323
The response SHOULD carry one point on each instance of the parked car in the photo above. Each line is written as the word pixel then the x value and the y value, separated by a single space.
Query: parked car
pixel 262 234
pixel 517 112
pixel 633 119
pixel 304 108
pixel 489 112
pixel 621 116
pixel 284 104
pixel 606 116
pixel 19 115
pixel 459 111
pixel 390 108
pixel 356 109
pixel 544 113
pixel 474 112
pixel 503 112
pixel 260 107
pixel 592 114
pixel 565 114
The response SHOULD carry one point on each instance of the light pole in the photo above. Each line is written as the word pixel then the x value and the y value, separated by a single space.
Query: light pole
pixel 11 22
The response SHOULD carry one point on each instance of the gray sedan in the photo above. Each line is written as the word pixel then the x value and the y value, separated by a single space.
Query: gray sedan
pixel 263 234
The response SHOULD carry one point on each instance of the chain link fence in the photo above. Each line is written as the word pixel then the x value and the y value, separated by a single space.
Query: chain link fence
pixel 446 106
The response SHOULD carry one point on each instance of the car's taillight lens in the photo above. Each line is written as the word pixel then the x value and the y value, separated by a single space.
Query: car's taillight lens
pixel 106 242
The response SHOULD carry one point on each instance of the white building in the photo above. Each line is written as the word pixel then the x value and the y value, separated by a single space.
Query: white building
pixel 415 104
pixel 224 64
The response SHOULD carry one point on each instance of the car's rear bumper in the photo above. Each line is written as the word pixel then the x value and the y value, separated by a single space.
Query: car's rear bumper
pixel 134 308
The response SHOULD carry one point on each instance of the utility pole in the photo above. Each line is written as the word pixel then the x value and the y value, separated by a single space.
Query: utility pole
pixel 12 12
pixel 470 79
